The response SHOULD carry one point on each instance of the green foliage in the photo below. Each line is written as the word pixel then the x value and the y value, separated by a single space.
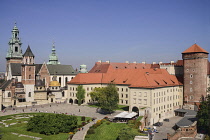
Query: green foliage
pixel 127 133
pixel 203 115
pixel 80 94
pixel 50 124
pixel 107 97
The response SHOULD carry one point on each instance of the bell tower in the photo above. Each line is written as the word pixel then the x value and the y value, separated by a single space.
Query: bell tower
pixel 14 54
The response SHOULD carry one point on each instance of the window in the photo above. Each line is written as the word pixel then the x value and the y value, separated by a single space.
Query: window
pixel 63 94
pixel 122 95
pixel 66 80
pixel 16 49
pixel 134 94
pixel 126 95
pixel 29 69
pixel 145 94
pixel 29 76
pixel 60 80
pixel 126 89
pixel 9 94
pixel 139 94
pixel 191 82
pixel 126 101
pixel 29 94
pixel 139 101
pixel 122 101
pixel 145 101
pixel 191 89
pixel 191 76
pixel 134 100
pixel 122 89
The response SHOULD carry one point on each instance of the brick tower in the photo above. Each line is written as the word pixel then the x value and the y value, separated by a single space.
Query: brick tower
pixel 195 74
pixel 28 74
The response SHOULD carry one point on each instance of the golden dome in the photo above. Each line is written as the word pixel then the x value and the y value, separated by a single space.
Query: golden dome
pixel 54 84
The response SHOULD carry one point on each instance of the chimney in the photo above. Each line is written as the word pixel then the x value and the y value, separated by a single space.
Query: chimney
pixel 144 62
pixel 172 62
pixel 100 61
pixel 160 63
pixel 127 62
pixel 153 63
pixel 108 62
pixel 134 62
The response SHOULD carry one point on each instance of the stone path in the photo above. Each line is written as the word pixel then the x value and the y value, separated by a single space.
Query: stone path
pixel 63 108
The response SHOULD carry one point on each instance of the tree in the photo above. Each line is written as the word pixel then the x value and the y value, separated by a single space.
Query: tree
pixel 80 94
pixel 107 97
pixel 50 124
pixel 203 115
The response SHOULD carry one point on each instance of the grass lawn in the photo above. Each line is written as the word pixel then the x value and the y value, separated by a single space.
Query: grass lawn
pixel 107 132
pixel 120 107
pixel 20 128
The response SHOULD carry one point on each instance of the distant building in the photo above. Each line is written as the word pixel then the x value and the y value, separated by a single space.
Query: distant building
pixel 29 83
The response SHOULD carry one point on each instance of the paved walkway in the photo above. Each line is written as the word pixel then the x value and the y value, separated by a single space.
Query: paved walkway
pixel 63 108
pixel 166 128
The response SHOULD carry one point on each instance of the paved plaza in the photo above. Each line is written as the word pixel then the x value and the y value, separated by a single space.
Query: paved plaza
pixel 166 128
pixel 63 108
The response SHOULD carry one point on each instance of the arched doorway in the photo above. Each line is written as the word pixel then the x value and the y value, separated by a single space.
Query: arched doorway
pixel 135 109
pixel 75 101
pixel 70 101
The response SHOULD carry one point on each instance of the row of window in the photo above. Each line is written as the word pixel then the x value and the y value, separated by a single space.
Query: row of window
pixel 140 101
pixel 164 92
pixel 124 101
pixel 140 94
pixel 126 95
pixel 164 106
pixel 163 99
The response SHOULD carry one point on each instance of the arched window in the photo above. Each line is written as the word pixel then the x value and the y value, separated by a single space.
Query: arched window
pixel 60 80
pixel 29 94
pixel 66 81
pixel 9 94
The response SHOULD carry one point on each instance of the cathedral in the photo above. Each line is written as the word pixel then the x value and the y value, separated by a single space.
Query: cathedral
pixel 28 83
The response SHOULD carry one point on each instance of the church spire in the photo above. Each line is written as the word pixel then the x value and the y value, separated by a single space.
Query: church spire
pixel 14 50
pixel 53 58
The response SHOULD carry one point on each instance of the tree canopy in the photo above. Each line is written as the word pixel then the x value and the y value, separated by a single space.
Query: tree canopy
pixel 50 124
pixel 80 94
pixel 107 97
pixel 203 115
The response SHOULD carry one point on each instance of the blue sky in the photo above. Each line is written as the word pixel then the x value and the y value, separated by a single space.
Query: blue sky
pixel 86 31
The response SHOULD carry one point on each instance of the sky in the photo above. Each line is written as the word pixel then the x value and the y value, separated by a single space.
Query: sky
pixel 85 31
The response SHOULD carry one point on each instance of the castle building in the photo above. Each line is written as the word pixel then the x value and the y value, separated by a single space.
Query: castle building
pixel 35 79
pixel 154 93
pixel 196 68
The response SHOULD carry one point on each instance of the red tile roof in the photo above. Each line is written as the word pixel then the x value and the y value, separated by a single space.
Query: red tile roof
pixel 195 48
pixel 103 67
pixel 143 78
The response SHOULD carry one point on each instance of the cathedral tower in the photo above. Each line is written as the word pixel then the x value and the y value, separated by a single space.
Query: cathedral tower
pixel 195 74
pixel 53 58
pixel 14 54
pixel 28 74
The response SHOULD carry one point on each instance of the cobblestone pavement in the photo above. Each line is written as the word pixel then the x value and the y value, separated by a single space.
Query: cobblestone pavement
pixel 166 128
pixel 63 108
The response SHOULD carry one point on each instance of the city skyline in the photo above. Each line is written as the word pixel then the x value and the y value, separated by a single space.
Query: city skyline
pixel 87 31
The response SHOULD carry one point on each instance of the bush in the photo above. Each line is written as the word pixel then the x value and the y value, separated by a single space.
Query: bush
pixel 108 123
pixel 50 124
pixel 91 131
pixel 83 118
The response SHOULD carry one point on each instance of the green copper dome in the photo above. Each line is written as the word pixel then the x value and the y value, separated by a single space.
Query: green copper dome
pixel 53 58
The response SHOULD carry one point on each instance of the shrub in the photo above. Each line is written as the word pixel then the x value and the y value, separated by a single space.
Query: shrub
pixel 91 131
pixel 50 124
pixel 108 123
pixel 83 118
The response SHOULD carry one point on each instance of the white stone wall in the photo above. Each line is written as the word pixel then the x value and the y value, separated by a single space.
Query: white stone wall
pixel 29 88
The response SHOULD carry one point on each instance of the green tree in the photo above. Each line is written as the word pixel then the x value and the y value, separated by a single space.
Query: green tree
pixel 107 97
pixel 80 94
pixel 203 115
